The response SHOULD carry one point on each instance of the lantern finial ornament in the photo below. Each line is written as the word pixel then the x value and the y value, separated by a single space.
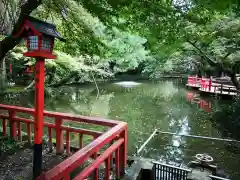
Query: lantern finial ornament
pixel 39 37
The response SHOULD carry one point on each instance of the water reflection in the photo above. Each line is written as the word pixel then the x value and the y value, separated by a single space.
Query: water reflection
pixel 166 106
pixel 204 104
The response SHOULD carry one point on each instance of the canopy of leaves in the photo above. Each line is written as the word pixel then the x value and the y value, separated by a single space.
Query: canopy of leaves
pixel 162 36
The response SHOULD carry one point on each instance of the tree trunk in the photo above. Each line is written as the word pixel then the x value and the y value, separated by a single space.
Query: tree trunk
pixel 3 75
pixel 10 41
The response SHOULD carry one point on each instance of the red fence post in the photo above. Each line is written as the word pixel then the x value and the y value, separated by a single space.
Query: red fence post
pixel 29 132
pixel 13 132
pixel 19 131
pixel 68 143
pixel 59 136
pixel 4 125
pixel 80 141
pixel 117 163
pixel 107 169
pixel 96 171
pixel 50 146
pixel 123 152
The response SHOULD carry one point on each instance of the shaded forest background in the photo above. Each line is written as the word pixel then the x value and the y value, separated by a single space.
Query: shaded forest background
pixel 106 38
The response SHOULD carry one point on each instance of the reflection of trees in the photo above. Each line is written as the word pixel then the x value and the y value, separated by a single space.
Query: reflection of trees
pixel 18 99
pixel 146 108
pixel 227 119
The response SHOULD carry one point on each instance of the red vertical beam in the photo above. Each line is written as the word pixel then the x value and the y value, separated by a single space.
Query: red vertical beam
pixel 210 85
pixel 59 136
pixel 19 131
pixel 68 142
pixel 13 132
pixel 107 169
pixel 117 163
pixel 29 132
pixel 38 117
pixel 123 152
pixel 80 141
pixel 50 146
pixel 66 177
pixel 96 171
pixel 4 125
pixel 111 156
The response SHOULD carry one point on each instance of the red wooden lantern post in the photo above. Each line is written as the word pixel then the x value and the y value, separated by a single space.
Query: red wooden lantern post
pixel 39 38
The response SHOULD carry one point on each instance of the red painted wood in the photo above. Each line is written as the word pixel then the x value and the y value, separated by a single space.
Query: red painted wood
pixel 125 147
pixel 63 169
pixel 19 131
pixel 59 136
pixel 81 141
pixel 26 25
pixel 68 142
pixel 13 129
pixel 46 124
pixel 107 169
pixel 117 163
pixel 96 171
pixel 39 101
pixel 4 125
pixel 29 132
pixel 82 131
pixel 83 154
pixel 66 116
pixel 67 177
pixel 95 164
pixel 36 54
pixel 79 118
pixel 50 145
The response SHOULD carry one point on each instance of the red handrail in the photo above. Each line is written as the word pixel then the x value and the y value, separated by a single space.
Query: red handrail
pixel 67 166
pixel 100 160
pixel 193 80
pixel 116 134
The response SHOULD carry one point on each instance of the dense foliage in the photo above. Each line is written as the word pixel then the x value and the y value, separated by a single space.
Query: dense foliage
pixel 108 37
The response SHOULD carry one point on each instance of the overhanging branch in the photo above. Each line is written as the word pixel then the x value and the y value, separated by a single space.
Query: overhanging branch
pixel 10 42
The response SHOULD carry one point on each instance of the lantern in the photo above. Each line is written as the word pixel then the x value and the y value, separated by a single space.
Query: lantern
pixel 39 37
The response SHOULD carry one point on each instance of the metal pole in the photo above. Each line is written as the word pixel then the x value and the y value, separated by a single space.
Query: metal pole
pixel 145 143
pixel 200 137
pixel 38 117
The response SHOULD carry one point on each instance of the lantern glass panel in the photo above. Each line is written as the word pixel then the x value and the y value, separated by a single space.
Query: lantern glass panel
pixel 46 44
pixel 33 42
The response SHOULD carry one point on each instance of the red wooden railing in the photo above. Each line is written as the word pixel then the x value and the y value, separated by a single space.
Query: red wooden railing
pixel 193 81
pixel 208 86
pixel 112 142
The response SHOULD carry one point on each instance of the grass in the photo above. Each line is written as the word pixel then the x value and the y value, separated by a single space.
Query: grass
pixel 15 89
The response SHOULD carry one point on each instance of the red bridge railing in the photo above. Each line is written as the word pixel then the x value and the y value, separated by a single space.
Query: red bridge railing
pixel 193 81
pixel 106 145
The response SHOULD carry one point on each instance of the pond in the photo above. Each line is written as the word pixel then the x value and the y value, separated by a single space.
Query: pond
pixel 164 105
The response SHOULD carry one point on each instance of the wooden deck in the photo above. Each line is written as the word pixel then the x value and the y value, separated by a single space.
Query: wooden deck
pixel 217 91
pixel 208 86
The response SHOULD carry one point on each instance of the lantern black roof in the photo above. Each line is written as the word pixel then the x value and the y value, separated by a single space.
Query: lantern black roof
pixel 44 27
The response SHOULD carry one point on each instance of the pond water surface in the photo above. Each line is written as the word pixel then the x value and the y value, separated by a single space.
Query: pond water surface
pixel 167 106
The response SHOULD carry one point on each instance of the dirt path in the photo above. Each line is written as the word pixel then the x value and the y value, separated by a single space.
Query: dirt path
pixel 19 165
